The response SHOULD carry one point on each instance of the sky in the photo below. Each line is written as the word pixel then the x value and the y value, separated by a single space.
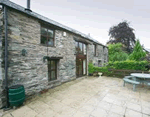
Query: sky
pixel 97 16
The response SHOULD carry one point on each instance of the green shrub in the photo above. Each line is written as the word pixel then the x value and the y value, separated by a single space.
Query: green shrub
pixel 103 70
pixel 138 52
pixel 129 65
pixel 90 68
pixel 116 53
pixel 100 69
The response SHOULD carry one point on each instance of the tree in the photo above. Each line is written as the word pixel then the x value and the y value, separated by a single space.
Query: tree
pixel 116 53
pixel 122 33
pixel 138 52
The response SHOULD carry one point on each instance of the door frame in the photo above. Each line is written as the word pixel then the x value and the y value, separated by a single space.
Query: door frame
pixel 82 56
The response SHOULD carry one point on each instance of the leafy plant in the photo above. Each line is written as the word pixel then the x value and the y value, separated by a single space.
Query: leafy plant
pixel 129 65
pixel 90 68
pixel 116 53
pixel 138 52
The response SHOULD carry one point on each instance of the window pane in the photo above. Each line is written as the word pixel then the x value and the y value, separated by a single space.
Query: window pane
pixel 49 75
pixel 49 62
pixel 99 63
pixel 43 40
pixel 50 33
pixel 84 67
pixel 53 77
pixel 84 49
pixel 53 64
pixel 80 47
pixel 77 48
pixel 80 67
pixel 50 42
pixel 44 31
pixel 76 44
pixel 95 50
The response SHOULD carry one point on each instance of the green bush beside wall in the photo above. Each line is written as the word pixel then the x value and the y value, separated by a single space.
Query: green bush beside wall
pixel 124 65
pixel 129 65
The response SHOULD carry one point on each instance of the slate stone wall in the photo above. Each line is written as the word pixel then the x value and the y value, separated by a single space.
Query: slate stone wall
pixel 30 70
pixel 101 54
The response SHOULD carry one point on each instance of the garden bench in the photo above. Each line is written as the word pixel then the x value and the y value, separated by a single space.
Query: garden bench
pixel 130 79
pixel 148 84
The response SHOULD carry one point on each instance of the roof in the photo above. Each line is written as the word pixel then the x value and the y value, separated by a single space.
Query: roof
pixel 38 16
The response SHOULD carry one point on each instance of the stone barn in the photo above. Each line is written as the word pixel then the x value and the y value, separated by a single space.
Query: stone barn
pixel 40 53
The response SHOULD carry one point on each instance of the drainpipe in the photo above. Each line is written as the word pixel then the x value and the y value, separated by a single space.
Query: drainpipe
pixel 6 56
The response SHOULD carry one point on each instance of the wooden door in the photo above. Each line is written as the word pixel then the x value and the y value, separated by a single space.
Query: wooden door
pixel 79 67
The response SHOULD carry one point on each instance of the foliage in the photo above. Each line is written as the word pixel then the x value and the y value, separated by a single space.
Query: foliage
pixel 104 70
pixel 124 65
pixel 138 52
pixel 90 68
pixel 122 33
pixel 129 65
pixel 116 53
pixel 100 69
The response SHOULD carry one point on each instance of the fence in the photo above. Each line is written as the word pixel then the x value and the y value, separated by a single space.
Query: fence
pixel 122 72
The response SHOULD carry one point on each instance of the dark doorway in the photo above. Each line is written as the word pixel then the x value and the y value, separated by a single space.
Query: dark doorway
pixel 79 67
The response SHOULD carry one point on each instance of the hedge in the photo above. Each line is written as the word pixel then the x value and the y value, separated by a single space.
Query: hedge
pixel 124 65
pixel 129 65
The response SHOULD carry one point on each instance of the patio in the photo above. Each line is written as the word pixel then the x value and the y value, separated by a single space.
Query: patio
pixel 88 97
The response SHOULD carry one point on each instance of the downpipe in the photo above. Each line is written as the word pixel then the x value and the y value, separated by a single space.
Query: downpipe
pixel 6 56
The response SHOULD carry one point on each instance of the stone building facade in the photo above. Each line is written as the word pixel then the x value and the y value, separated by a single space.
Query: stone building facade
pixel 38 66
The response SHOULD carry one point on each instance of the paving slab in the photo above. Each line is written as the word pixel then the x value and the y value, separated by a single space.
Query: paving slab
pixel 99 112
pixel 118 109
pixel 88 97
pixel 131 113
pixel 24 111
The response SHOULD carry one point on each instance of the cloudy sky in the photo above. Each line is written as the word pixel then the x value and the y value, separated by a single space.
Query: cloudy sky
pixel 97 16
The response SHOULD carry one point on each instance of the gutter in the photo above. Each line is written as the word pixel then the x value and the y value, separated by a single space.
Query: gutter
pixel 6 55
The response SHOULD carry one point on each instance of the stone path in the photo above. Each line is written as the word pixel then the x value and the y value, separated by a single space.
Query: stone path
pixel 88 97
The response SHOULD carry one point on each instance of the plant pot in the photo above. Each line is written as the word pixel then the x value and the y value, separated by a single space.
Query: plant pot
pixel 90 74
pixel 100 74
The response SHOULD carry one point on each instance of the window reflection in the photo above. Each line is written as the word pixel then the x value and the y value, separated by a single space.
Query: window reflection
pixel 47 36
pixel 81 48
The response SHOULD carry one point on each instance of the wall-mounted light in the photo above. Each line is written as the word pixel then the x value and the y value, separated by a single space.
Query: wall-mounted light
pixel 24 52
pixel 64 34
pixel 45 58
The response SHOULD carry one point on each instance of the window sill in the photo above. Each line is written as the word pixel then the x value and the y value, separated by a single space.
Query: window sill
pixel 53 81
pixel 47 46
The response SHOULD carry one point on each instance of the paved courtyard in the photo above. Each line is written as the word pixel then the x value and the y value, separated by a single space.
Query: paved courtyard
pixel 88 97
